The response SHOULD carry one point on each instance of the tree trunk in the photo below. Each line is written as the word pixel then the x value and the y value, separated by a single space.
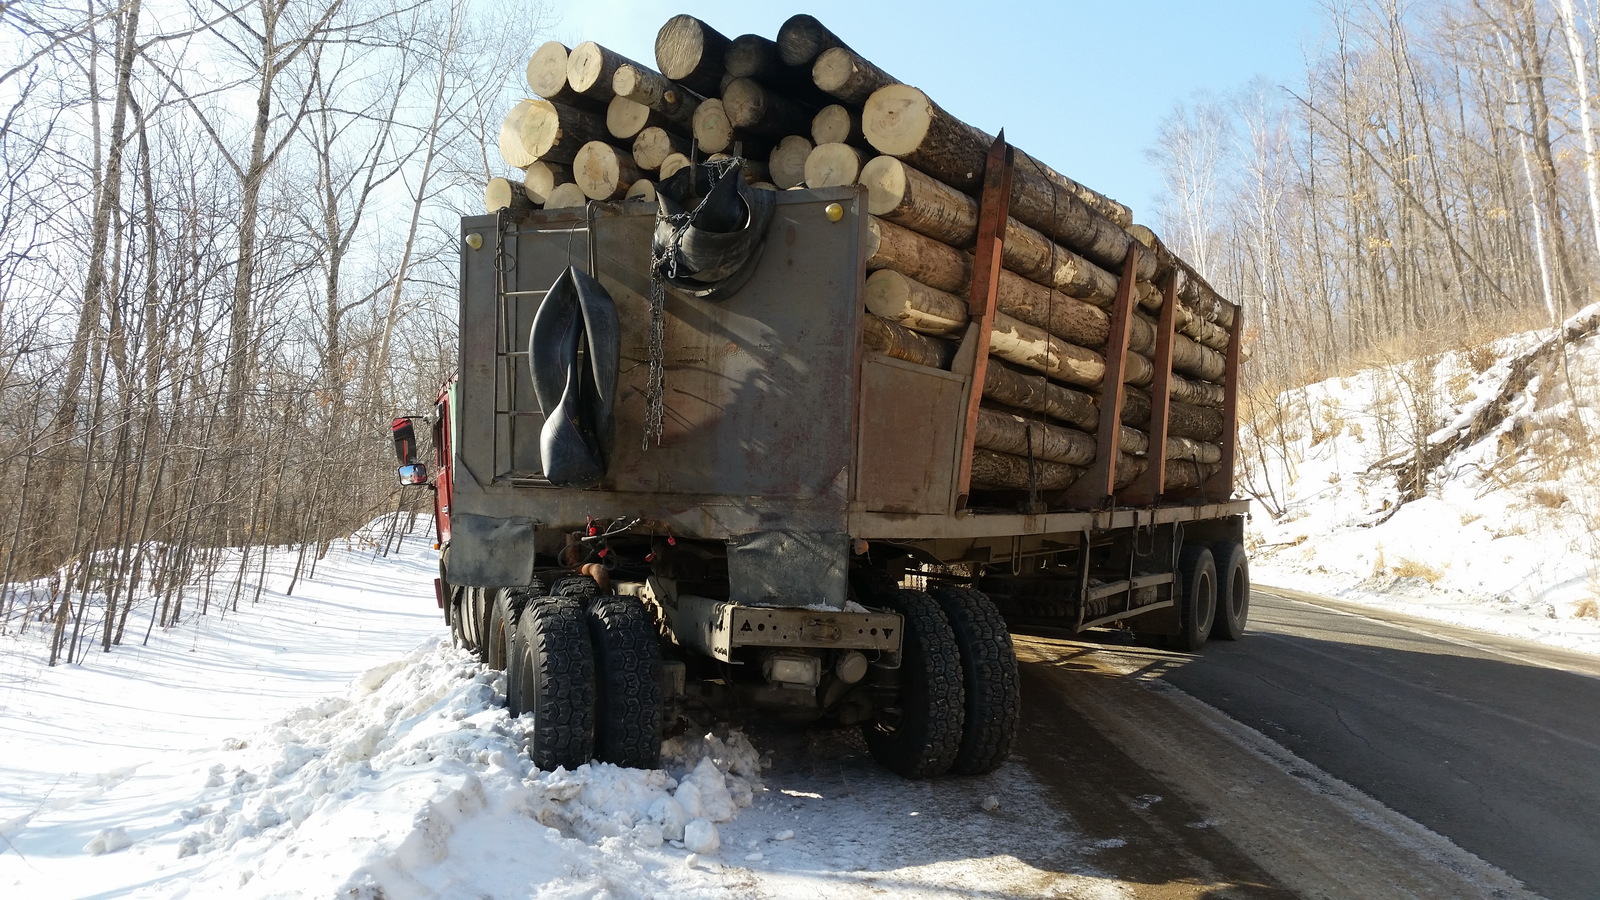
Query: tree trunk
pixel 673 163
pixel 802 38
pixel 753 108
pixel 653 145
pixel 501 193
pixel 713 130
pixel 788 162
pixel 835 124
pixel 547 77
pixel 1004 471
pixel 692 53
pixel 1036 393
pixel 833 165
pixel 591 68
pixel 556 133
pixel 901 121
pixel 603 172
pixel 652 89
pixel 566 196
pixel 541 177
pixel 882 336
pixel 1007 433
pixel 840 72
pixel 625 118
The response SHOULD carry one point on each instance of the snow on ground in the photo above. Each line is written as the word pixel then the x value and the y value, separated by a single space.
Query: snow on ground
pixel 332 743
pixel 1506 537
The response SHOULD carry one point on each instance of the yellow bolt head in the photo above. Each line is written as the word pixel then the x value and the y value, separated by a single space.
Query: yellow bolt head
pixel 833 211
pixel 475 240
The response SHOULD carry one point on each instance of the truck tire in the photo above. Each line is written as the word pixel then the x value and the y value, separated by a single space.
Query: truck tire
pixel 989 678
pixel 627 654
pixel 459 636
pixel 554 682
pixel 1233 590
pixel 921 736
pixel 1197 578
pixel 496 643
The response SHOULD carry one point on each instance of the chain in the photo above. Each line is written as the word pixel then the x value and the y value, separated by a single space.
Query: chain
pixel 663 265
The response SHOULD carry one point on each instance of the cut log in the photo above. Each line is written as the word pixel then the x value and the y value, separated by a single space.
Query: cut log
pixel 840 72
pixel 643 190
pixel 802 39
pixel 893 340
pixel 754 170
pixel 1068 319
pixel 692 53
pixel 919 307
pixel 833 165
pixel 564 196
pixel 556 133
pixel 902 195
pixel 653 145
pixel 541 177
pixel 591 68
pixel 1004 471
pixel 625 118
pixel 923 259
pixel 1197 452
pixel 788 161
pixel 1198 393
pixel 547 77
pixel 713 130
pixel 673 163
pixel 758 110
pixel 1008 433
pixel 650 88
pixel 901 121
pixel 512 147
pixel 836 124
pixel 1036 393
pixel 753 56
pixel 1201 297
pixel 501 193
pixel 603 172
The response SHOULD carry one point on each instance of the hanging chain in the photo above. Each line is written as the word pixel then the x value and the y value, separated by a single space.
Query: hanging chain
pixel 663 265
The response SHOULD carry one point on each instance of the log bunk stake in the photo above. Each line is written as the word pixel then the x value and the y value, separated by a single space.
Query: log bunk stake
pixel 974 356
pixel 1095 489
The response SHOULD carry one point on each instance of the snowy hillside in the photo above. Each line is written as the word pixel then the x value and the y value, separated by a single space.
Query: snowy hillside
pixel 1504 532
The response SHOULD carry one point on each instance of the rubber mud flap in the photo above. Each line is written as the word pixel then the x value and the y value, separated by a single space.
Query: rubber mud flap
pixel 577 395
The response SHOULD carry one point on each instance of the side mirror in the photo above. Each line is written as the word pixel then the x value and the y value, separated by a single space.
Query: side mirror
pixel 413 473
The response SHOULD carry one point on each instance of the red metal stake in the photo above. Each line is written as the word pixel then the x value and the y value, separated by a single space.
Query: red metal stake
pixel 993 209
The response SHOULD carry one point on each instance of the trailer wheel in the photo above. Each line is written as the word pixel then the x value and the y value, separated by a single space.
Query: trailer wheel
pixel 496 642
pixel 989 678
pixel 554 682
pixel 921 735
pixel 1197 577
pixel 459 635
pixel 627 654
pixel 1233 591
pixel 479 601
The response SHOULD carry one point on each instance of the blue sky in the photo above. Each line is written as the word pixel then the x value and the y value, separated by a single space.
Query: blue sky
pixel 1081 84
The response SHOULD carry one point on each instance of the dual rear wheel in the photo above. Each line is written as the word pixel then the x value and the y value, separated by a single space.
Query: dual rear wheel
pixel 583 669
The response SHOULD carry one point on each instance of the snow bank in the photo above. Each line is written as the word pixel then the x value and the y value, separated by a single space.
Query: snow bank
pixel 1503 540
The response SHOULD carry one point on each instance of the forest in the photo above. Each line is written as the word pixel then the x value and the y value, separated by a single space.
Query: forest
pixel 227 249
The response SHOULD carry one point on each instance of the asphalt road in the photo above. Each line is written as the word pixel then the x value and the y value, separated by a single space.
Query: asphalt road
pixel 1490 742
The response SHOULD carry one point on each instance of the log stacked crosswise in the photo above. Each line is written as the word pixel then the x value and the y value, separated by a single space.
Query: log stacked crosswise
pixel 806 110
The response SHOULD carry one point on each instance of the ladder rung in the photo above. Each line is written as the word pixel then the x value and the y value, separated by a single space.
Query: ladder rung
pixel 524 293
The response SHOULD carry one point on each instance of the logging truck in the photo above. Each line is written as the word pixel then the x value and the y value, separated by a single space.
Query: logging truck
pixel 813 453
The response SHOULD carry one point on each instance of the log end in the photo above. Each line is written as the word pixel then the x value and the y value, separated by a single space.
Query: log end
pixel 643 190
pixel 585 64
pixel 547 69
pixel 896 119
pixel 833 165
pixel 625 118
pixel 513 135
pixel 885 180
pixel 712 128
pixel 566 196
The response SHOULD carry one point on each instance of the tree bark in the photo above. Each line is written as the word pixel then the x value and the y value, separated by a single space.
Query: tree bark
pixel 841 72
pixel 1009 433
pixel 547 77
pixel 650 88
pixel 885 337
pixel 1004 471
pixel 758 110
pixel 591 68
pixel 802 38
pixel 653 145
pixel 603 172
pixel 901 121
pixel 556 133
pixel 832 165
pixel 692 53
pixel 501 193
pixel 788 161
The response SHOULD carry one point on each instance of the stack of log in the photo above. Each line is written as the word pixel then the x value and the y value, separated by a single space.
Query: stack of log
pixel 805 110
